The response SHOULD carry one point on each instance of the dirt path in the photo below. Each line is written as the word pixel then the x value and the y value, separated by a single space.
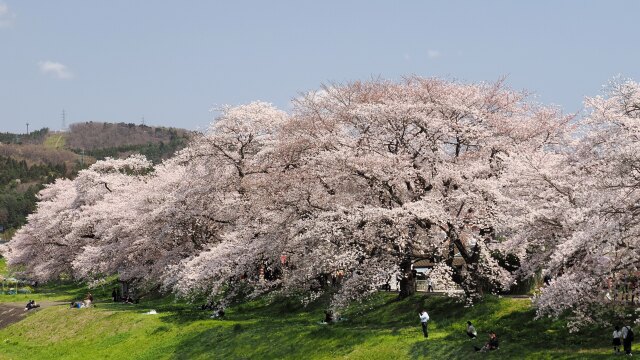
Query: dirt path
pixel 11 313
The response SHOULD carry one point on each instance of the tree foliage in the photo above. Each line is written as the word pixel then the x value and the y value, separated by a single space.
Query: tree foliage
pixel 351 187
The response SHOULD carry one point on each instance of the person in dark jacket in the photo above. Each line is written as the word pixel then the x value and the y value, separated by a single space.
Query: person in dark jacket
pixel 492 344
pixel 627 339
pixel 31 305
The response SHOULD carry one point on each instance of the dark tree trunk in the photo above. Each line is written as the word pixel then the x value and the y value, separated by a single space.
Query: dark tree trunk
pixel 408 281
pixel 465 279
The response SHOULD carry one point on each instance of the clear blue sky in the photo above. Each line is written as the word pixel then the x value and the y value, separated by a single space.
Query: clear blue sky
pixel 172 61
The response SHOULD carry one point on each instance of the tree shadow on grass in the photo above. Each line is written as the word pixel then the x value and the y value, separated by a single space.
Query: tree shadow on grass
pixel 419 350
pixel 263 340
pixel 521 335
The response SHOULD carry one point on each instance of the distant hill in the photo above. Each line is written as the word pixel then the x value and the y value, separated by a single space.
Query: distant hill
pixel 27 162
pixel 100 140
pixel 34 137
pixel 38 154
pixel 98 135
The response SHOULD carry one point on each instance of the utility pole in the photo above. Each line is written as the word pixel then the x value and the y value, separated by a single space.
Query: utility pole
pixel 27 129
pixel 64 120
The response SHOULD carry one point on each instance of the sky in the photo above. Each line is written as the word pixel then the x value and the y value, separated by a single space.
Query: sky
pixel 172 63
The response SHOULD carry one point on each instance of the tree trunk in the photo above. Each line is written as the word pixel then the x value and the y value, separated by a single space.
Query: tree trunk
pixel 465 279
pixel 408 281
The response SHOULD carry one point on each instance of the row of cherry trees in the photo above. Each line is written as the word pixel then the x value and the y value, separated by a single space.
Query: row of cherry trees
pixel 363 178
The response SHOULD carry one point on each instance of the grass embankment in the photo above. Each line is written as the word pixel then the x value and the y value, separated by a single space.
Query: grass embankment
pixel 381 328
pixel 47 292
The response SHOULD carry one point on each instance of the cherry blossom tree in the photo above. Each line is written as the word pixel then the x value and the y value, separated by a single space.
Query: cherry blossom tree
pixel 365 178
pixel 230 171
pixel 41 247
pixel 351 188
pixel 391 172
pixel 585 232
pixel 66 221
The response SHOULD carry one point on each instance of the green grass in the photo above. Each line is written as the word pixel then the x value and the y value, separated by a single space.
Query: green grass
pixel 3 267
pixel 57 291
pixel 381 328
pixel 55 141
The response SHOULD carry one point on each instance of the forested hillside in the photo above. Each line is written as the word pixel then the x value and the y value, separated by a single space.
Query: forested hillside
pixel 101 140
pixel 34 137
pixel 28 162
pixel 19 184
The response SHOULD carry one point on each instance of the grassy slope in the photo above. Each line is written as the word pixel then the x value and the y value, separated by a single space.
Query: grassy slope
pixel 382 328
pixel 49 292
pixel 55 141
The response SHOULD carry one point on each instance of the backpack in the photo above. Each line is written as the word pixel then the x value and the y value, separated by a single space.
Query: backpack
pixel 629 334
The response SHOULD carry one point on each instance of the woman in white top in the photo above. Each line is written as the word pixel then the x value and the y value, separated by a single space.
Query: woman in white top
pixel 617 336
pixel 424 317
pixel 471 331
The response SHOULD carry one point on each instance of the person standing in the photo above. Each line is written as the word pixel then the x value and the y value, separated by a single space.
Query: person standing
pixel 471 331
pixel 627 339
pixel 617 340
pixel 424 318
pixel 429 285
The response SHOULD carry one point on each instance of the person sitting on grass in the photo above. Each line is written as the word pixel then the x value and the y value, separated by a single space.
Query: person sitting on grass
pixel 31 305
pixel 88 301
pixel 492 344
pixel 218 313
pixel 471 331
pixel 76 305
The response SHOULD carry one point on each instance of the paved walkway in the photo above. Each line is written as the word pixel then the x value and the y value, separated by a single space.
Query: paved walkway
pixel 11 313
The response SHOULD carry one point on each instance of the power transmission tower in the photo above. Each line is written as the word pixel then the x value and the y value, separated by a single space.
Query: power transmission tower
pixel 27 129
pixel 64 120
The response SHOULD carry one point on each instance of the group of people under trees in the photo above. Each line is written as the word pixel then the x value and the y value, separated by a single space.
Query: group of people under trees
pixel 86 303
pixel 491 344
pixel 117 297
pixel 624 337
pixel 88 300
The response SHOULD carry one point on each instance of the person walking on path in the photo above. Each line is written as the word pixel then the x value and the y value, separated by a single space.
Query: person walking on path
pixel 471 331
pixel 424 317
pixel 627 339
pixel 429 285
